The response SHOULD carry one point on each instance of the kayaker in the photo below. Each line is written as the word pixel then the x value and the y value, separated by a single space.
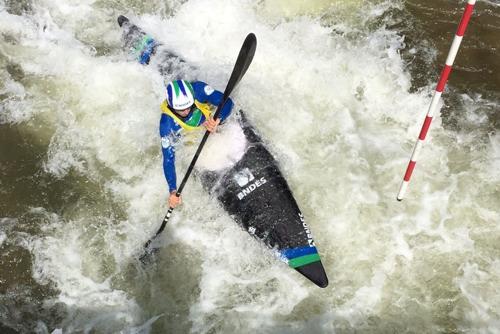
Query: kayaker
pixel 188 107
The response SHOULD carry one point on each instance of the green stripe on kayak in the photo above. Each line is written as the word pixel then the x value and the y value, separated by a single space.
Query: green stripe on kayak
pixel 140 45
pixel 303 260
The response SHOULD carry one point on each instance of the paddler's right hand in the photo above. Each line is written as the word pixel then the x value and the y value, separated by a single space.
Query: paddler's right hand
pixel 211 124
pixel 174 200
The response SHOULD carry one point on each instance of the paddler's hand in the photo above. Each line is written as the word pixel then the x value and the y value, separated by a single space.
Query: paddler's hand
pixel 174 200
pixel 211 124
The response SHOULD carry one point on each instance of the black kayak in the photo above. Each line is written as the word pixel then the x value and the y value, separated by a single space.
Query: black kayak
pixel 252 190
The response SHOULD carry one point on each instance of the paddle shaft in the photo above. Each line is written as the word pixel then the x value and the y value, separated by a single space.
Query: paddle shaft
pixel 243 61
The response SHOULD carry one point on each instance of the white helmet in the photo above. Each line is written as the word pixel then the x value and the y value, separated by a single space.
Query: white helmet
pixel 180 95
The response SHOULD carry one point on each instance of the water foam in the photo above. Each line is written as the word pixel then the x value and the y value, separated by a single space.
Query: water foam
pixel 337 114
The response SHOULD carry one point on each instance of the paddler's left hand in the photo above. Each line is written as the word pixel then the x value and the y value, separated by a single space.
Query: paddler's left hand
pixel 211 124
pixel 174 200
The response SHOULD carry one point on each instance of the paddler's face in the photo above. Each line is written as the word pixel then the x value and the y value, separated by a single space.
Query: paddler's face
pixel 184 112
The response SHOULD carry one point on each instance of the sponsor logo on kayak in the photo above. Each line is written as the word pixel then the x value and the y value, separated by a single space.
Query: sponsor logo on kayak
pixel 310 240
pixel 243 178
pixel 248 190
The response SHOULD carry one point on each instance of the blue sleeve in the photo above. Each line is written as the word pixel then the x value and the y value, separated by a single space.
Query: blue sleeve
pixel 206 94
pixel 169 137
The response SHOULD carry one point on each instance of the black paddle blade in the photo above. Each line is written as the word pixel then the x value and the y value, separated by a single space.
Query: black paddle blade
pixel 243 61
pixel 148 255
pixel 149 249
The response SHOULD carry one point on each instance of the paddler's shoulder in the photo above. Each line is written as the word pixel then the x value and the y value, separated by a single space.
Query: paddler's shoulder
pixel 202 88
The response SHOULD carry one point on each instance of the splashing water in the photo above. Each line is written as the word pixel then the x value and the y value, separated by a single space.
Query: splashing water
pixel 82 186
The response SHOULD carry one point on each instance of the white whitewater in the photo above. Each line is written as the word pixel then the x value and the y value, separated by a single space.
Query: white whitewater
pixel 337 114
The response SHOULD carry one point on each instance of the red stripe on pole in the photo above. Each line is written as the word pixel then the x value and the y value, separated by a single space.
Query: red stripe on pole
pixel 409 170
pixel 444 77
pixel 425 128
pixel 465 20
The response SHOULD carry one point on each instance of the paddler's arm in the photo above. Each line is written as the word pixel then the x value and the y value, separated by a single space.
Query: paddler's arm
pixel 167 133
pixel 206 94
pixel 226 110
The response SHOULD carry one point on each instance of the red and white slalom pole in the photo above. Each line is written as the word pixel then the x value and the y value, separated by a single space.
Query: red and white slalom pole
pixel 437 96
